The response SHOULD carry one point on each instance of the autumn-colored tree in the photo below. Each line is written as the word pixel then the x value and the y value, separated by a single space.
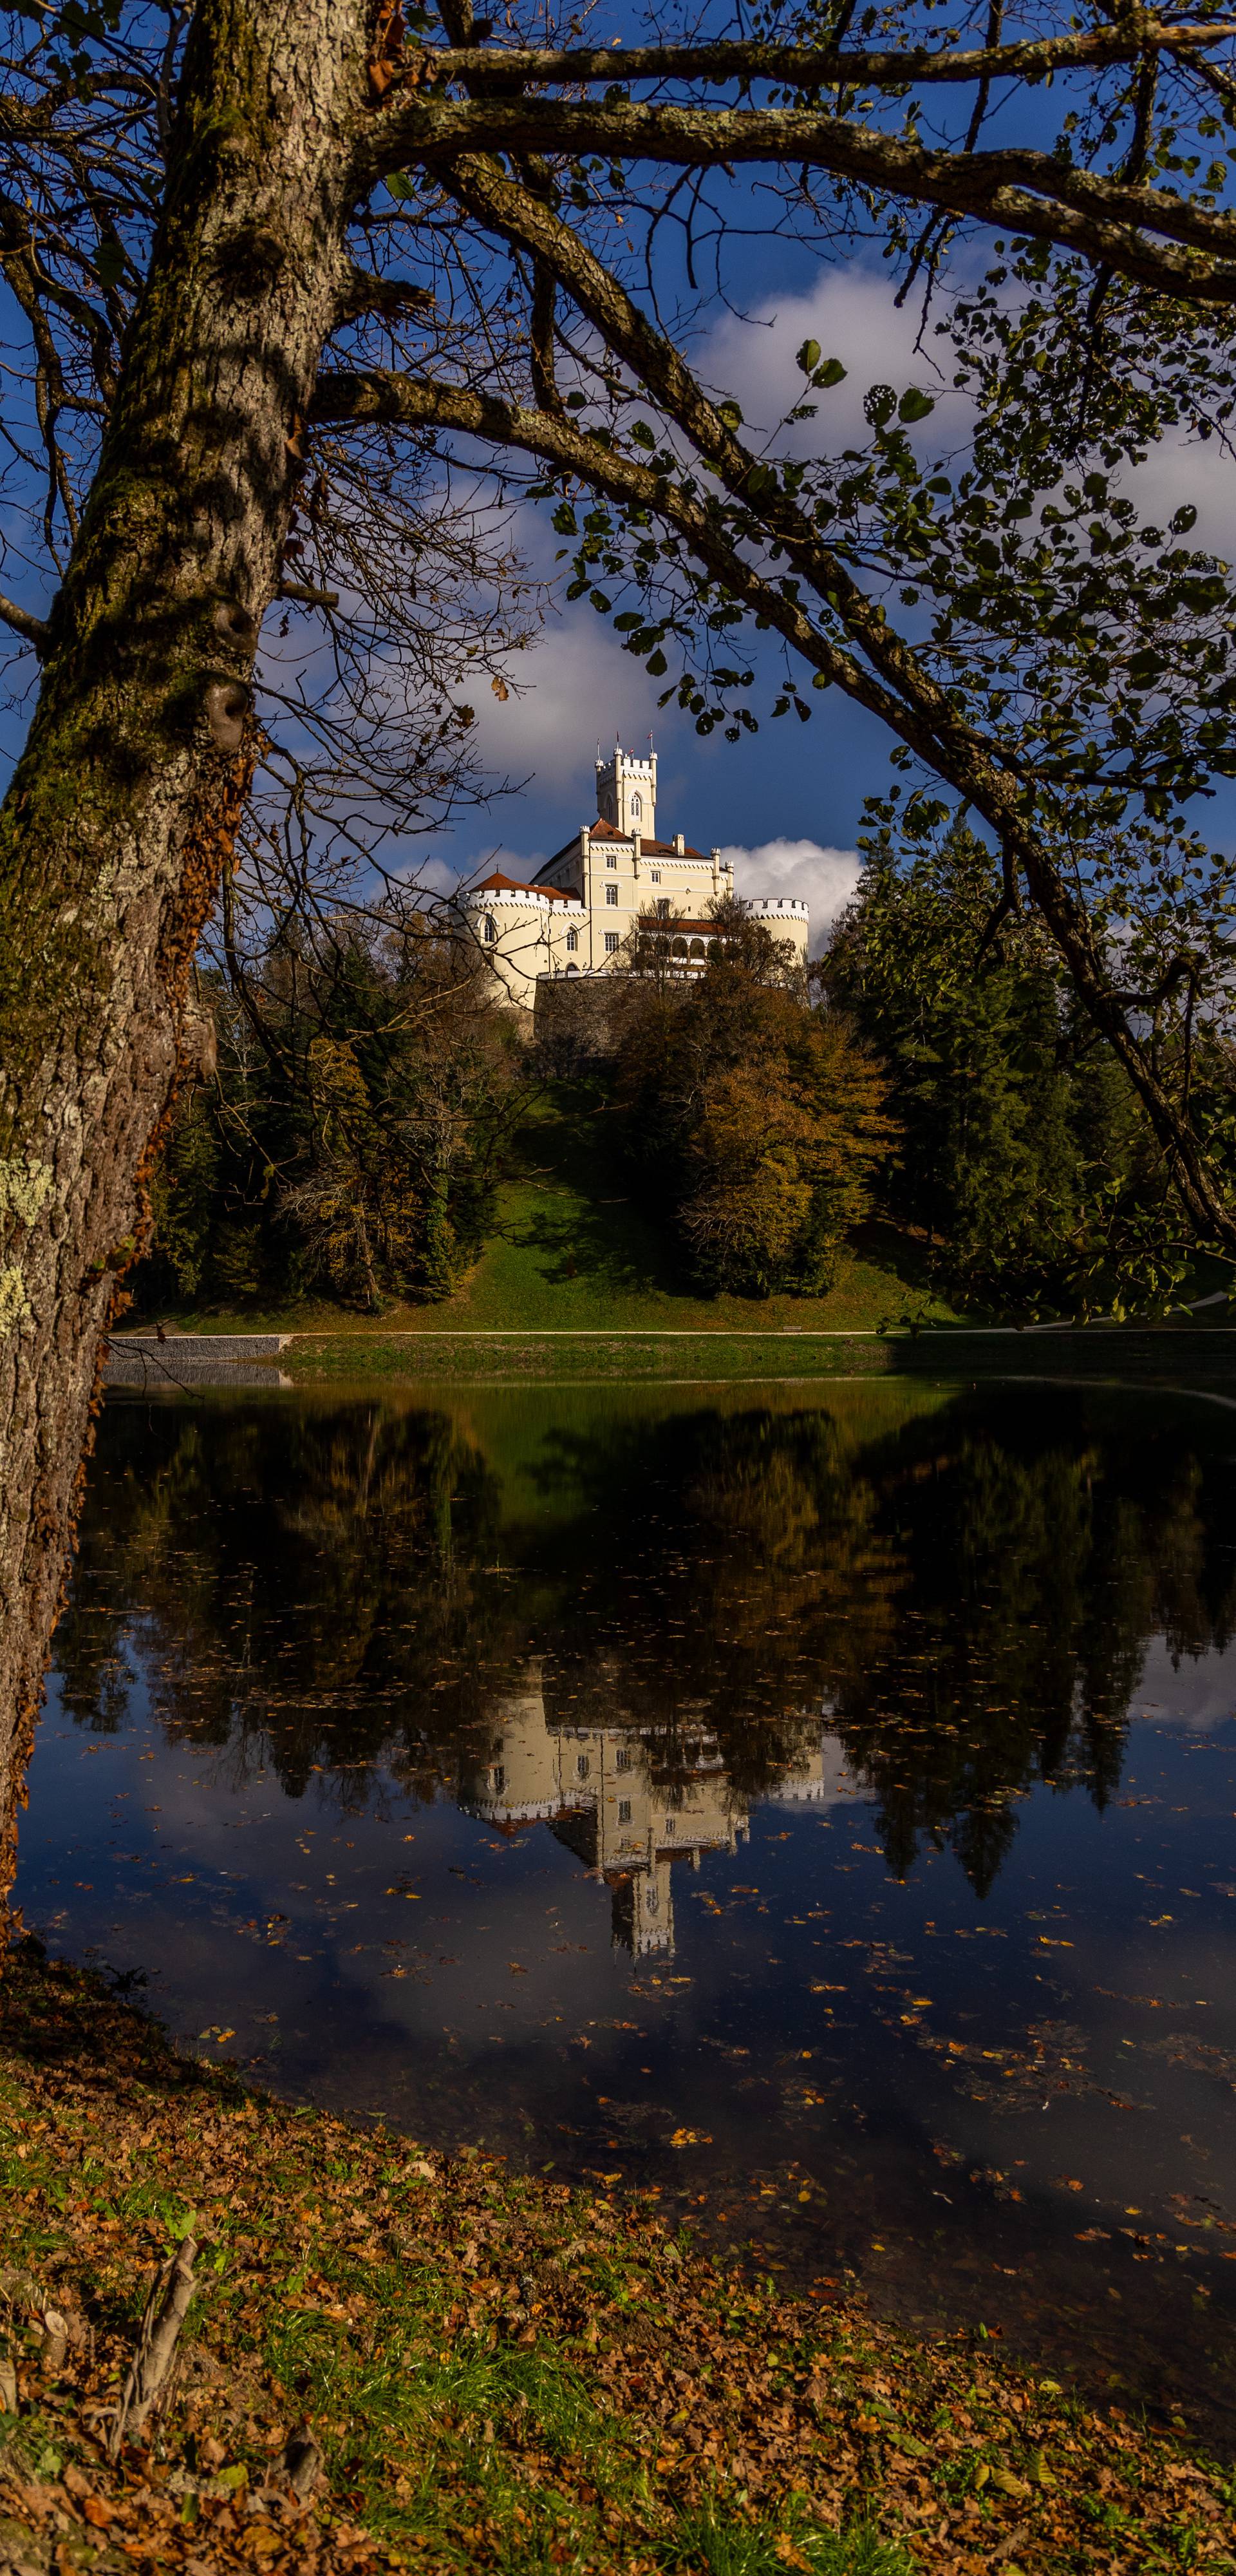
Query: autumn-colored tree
pixel 755 1120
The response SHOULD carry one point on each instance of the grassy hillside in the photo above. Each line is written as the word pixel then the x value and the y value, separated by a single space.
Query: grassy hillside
pixel 572 1252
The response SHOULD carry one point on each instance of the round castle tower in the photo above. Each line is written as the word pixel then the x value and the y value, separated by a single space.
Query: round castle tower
pixel 579 914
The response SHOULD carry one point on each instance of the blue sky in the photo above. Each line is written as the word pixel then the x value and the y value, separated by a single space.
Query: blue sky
pixel 798 788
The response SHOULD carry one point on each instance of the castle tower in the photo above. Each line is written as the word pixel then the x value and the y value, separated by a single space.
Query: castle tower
pixel 627 792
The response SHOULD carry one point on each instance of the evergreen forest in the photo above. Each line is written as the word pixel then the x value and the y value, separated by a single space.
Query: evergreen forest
pixel 931 1073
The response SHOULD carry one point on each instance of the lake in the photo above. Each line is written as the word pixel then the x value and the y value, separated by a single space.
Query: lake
pixel 813 1804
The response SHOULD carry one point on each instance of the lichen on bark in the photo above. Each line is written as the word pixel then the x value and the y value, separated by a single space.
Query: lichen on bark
pixel 124 805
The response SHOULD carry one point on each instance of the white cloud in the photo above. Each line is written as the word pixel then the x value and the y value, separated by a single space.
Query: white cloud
pixel 579 685
pixel 1180 469
pixel 852 314
pixel 823 878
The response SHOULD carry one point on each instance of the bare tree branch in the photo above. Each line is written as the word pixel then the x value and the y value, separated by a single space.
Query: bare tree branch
pixel 33 630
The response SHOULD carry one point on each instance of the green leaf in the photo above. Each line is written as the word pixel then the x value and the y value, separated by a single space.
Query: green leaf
pixel 831 373
pixel 656 664
pixel 809 356
pixel 915 405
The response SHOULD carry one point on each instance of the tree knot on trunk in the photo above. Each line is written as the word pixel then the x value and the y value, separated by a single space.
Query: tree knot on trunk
pixel 227 704
pixel 236 623
pixel 249 260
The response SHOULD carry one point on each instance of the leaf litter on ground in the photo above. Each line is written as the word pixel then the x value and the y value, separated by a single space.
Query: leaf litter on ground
pixel 401 2359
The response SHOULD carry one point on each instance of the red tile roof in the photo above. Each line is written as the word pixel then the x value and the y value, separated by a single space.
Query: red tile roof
pixel 498 884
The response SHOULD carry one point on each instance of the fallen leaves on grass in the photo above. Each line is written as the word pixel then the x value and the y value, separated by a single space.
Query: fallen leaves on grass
pixel 398 2359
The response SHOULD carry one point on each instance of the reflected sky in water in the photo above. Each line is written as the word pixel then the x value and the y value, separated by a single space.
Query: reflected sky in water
pixel 815 1805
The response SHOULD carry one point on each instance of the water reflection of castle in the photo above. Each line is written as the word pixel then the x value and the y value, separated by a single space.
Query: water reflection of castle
pixel 602 1792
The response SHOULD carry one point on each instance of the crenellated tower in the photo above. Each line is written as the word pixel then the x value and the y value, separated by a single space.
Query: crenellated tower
pixel 627 792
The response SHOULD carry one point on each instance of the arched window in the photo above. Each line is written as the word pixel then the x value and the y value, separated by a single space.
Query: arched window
pixel 636 808
pixel 679 948
pixel 572 942
pixel 697 947
pixel 491 928
pixel 572 970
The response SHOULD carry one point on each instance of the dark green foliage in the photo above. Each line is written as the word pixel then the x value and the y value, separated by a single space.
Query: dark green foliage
pixel 184 1194
pixel 349 1142
pixel 1026 1158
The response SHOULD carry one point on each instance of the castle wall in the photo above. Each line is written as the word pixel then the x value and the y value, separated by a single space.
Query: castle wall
pixel 577 918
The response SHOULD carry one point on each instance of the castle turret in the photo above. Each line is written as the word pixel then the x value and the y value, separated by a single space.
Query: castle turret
pixel 627 792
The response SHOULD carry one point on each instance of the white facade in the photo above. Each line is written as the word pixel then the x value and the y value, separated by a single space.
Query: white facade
pixel 576 915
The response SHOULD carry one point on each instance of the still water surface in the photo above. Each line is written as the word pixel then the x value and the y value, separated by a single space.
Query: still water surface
pixel 813 1803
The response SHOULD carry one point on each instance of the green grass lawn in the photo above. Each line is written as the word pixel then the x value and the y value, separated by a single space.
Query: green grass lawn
pixel 572 1252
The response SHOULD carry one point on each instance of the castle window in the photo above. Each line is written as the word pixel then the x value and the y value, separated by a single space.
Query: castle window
pixel 670 1826
pixel 572 970
pixel 491 927
pixel 636 807
pixel 651 1901
pixel 498 1776
pixel 624 1811
pixel 611 895
pixel 572 942
pixel 663 907
pixel 622 1758
pixel 582 1766
pixel 697 948
pixel 656 876
pixel 611 943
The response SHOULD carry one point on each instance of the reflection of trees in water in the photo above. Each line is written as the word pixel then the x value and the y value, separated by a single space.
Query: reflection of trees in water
pixel 314 1576
pixel 967 1594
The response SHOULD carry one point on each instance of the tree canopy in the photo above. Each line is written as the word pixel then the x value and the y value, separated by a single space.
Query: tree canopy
pixel 300 298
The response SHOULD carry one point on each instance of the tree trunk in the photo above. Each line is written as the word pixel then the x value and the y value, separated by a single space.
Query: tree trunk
pixel 125 803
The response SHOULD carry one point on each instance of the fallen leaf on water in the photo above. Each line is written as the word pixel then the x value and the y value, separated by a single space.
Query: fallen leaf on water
pixel 691 2138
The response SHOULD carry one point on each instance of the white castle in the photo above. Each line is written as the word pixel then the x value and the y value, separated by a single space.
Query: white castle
pixel 576 915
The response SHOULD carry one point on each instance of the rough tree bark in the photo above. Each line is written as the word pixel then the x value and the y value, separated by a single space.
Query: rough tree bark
pixel 123 808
